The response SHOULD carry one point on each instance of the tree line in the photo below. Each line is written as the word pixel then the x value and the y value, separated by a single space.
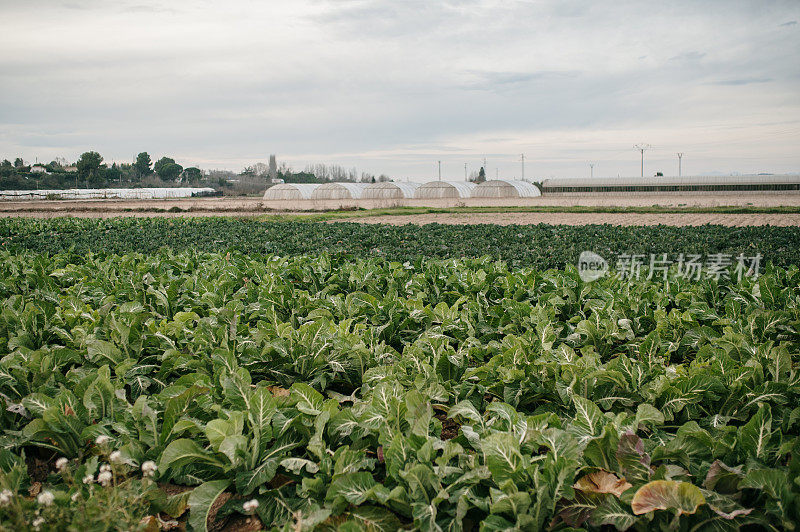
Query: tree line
pixel 91 171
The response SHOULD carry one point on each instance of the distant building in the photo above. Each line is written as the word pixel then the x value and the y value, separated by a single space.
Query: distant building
pixel 70 168
pixel 38 169
pixel 763 184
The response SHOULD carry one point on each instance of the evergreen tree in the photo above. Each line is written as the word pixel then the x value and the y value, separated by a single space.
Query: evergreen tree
pixel 89 165
pixel 142 165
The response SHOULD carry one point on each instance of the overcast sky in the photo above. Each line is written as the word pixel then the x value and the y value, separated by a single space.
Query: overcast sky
pixel 392 86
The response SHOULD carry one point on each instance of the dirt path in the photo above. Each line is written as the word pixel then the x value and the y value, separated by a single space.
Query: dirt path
pixel 678 219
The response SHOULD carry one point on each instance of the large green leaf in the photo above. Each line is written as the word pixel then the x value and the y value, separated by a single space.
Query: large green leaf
pixel 466 410
pixel 184 451
pixel 755 436
pixel 588 421
pixel 612 512
pixel 259 415
pixel 307 399
pixel 354 488
pixel 99 397
pixel 247 481
pixel 296 465
pixel 202 500
pixel 722 478
pixel 217 430
pixel 502 455
pixel 633 461
pixel 375 519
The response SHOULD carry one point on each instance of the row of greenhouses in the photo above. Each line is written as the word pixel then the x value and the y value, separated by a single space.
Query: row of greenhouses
pixel 403 190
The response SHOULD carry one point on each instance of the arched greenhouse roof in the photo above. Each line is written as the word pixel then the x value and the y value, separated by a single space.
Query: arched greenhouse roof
pixel 444 189
pixel 390 190
pixel 339 191
pixel 290 191
pixel 506 189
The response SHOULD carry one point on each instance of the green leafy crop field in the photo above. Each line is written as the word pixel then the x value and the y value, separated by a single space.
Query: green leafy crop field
pixel 183 376
pixel 540 246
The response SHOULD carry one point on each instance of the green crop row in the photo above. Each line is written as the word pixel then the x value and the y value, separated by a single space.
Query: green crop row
pixel 334 392
pixel 540 246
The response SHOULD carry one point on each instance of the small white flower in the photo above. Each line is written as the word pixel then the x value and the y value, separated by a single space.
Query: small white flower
pixel 5 497
pixel 104 478
pixel 39 521
pixel 61 464
pixel 115 457
pixel 104 468
pixel 88 479
pixel 102 439
pixel 45 498
pixel 250 506
pixel 76 496
pixel 149 468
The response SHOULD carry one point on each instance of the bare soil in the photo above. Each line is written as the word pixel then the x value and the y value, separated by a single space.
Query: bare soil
pixel 135 208
pixel 255 206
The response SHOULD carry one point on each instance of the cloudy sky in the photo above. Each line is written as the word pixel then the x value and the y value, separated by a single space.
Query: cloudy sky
pixel 392 86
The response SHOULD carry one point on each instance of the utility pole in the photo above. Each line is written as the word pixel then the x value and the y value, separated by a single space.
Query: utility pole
pixel 522 155
pixel 680 156
pixel 591 169
pixel 642 147
pixel 465 172
pixel 440 170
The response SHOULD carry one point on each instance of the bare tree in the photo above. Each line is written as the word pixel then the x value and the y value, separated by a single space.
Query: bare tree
pixel 260 169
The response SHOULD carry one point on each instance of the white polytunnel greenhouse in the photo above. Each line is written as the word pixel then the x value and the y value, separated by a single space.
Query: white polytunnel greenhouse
pixel 390 190
pixel 107 193
pixel 291 191
pixel 506 189
pixel 444 189
pixel 337 191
